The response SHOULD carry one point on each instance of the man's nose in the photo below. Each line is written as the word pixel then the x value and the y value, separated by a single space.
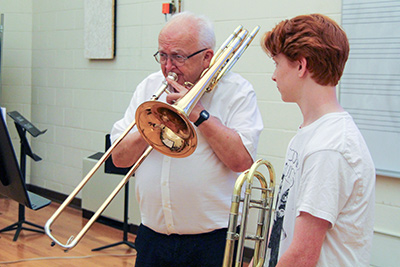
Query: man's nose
pixel 169 64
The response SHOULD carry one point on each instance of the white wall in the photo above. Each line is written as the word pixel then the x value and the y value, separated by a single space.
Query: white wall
pixel 386 243
pixel 17 63
pixel 47 78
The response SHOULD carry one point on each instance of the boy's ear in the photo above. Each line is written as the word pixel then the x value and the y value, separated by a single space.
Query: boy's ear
pixel 302 67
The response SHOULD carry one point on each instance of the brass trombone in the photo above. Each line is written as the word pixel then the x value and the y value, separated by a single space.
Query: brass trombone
pixel 165 127
pixel 264 205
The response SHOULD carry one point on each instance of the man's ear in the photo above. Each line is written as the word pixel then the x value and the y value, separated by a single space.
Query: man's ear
pixel 209 53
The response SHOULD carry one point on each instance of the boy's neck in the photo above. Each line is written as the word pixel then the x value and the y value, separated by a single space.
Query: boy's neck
pixel 317 101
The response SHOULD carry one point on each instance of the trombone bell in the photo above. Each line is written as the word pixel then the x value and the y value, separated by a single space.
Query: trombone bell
pixel 166 128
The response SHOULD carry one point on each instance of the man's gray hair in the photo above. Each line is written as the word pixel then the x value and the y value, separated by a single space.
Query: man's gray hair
pixel 204 26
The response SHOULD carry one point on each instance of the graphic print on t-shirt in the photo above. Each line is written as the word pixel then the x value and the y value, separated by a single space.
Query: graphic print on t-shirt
pixel 278 233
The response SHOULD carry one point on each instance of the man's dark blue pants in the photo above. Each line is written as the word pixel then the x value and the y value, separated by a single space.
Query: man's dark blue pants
pixel 202 250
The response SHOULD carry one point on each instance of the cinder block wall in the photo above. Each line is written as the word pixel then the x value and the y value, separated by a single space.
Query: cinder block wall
pixel 16 62
pixel 47 79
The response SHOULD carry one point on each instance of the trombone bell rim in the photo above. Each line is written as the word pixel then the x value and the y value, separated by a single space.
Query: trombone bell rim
pixel 176 136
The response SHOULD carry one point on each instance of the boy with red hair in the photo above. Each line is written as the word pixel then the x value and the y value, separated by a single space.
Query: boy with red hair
pixel 325 207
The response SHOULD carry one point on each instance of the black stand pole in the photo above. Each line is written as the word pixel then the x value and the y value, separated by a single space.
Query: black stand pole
pixel 21 209
pixel 125 225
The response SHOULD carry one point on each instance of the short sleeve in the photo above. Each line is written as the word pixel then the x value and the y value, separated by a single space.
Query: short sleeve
pixel 325 185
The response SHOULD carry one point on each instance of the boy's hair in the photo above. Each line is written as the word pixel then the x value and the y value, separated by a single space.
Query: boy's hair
pixel 317 38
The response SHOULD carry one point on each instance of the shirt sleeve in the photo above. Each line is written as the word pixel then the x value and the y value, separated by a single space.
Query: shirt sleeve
pixel 245 117
pixel 139 96
pixel 325 185
pixel 120 126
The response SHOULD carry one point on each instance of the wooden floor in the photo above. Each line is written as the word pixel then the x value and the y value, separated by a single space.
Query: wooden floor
pixel 31 246
pixel 34 249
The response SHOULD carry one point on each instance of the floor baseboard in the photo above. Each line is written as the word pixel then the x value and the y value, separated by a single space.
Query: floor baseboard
pixel 54 196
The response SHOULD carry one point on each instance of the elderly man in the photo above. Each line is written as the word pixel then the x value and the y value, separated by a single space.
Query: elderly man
pixel 184 202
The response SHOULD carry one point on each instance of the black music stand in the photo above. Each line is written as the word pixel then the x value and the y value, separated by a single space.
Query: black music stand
pixel 29 199
pixel 109 167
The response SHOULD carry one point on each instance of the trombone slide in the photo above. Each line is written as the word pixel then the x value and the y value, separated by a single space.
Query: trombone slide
pixel 264 205
pixel 73 241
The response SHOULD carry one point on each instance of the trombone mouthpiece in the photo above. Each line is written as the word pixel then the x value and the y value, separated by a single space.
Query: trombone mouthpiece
pixel 164 86
pixel 172 76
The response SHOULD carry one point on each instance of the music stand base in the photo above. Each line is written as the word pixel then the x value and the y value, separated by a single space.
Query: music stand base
pixel 129 244
pixel 125 225
pixel 18 227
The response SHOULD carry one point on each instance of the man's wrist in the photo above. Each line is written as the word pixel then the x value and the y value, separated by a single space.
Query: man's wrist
pixel 204 115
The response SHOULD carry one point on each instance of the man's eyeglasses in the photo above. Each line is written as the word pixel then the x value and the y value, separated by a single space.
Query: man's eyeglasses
pixel 178 60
